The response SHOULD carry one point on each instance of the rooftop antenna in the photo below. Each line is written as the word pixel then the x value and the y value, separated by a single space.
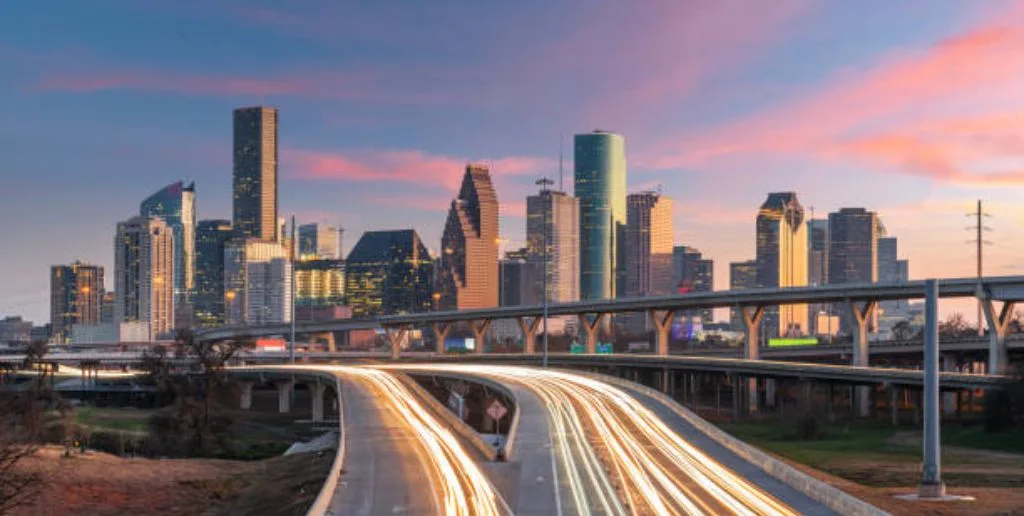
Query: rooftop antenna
pixel 561 174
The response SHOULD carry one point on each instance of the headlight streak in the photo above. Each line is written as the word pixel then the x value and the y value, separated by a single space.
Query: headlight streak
pixel 654 463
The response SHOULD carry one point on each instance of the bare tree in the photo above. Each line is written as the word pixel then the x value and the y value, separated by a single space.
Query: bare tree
pixel 956 326
pixel 21 429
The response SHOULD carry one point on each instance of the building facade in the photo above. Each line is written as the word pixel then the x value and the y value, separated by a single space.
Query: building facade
pixel 76 297
pixel 853 246
pixel 319 242
pixel 742 276
pixel 468 273
pixel 176 205
pixel 693 273
pixel 389 272
pixel 892 270
pixel 555 215
pixel 600 185
pixel 212 237
pixel 648 245
pixel 257 282
pixel 782 259
pixel 15 332
pixel 320 283
pixel 254 208
pixel 144 274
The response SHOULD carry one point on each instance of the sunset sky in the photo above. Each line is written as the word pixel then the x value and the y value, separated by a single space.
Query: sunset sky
pixel 913 109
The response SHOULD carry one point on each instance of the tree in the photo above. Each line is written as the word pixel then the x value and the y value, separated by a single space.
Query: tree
pixel 955 326
pixel 21 431
pixel 902 330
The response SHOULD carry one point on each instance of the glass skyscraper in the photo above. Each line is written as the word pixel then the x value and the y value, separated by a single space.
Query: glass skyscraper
pixel 254 210
pixel 600 186
pixel 389 272
pixel 176 205
pixel 782 259
pixel 208 300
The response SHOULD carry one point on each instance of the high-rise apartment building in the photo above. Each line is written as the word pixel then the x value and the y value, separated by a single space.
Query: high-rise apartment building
pixel 648 245
pixel 389 272
pixel 742 276
pixel 176 205
pixel 257 282
pixel 76 297
pixel 693 273
pixel 600 185
pixel 254 210
pixel 554 217
pixel 144 274
pixel 208 300
pixel 782 259
pixel 319 242
pixel 468 273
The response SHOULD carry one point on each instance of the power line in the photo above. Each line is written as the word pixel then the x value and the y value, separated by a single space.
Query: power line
pixel 979 229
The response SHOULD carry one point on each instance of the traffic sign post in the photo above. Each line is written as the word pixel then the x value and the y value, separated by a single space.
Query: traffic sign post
pixel 497 411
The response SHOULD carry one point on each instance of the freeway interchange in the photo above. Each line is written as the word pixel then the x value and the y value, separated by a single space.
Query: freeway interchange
pixel 583 445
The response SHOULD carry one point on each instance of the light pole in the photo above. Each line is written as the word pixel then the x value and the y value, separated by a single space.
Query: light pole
pixel 544 182
pixel 294 244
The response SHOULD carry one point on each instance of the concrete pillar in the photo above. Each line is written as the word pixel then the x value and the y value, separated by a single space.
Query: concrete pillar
pixel 860 314
pixel 998 324
pixel 528 326
pixel 666 382
pixel 284 395
pixel 246 402
pixel 948 398
pixel 663 325
pixel 480 334
pixel 317 394
pixel 894 406
pixel 441 330
pixel 752 316
pixel 931 481
pixel 327 338
pixel 736 398
pixel 590 329
pixel 769 392
pixel 395 337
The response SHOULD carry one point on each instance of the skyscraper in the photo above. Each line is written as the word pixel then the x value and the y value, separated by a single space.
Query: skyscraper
pixel 144 274
pixel 389 272
pixel 782 259
pixel 257 282
pixel 817 252
pixel 76 297
pixel 208 301
pixel 319 242
pixel 254 211
pixel 891 270
pixel 600 185
pixel 320 283
pixel 853 246
pixel 648 245
pixel 563 238
pixel 176 205
pixel 693 273
pixel 468 274
pixel 742 276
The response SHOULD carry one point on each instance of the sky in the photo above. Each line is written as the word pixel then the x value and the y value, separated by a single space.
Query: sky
pixel 913 109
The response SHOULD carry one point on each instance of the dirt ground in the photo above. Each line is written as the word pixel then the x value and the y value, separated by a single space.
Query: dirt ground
pixel 99 484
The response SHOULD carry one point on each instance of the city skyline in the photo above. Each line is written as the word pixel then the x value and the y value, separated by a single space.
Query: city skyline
pixel 897 170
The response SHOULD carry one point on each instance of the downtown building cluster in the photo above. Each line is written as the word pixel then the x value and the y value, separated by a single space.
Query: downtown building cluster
pixel 175 271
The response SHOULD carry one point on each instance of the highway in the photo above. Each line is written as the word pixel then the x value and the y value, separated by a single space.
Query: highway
pixel 619 457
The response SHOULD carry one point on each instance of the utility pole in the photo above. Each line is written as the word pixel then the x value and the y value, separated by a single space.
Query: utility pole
pixel 294 244
pixel 979 241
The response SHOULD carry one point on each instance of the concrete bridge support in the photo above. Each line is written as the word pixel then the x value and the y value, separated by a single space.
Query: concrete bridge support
pixel 327 338
pixel 663 324
pixel 528 326
pixel 480 329
pixel 860 315
pixel 590 329
pixel 316 391
pixel 395 337
pixel 246 401
pixel 752 316
pixel 998 325
pixel 441 330
pixel 284 395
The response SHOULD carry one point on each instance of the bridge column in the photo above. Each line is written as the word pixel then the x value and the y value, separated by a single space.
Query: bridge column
pixel 752 316
pixel 529 328
pixel 284 395
pixel 591 330
pixel 441 330
pixel 246 402
pixel 998 324
pixel 663 323
pixel 395 338
pixel 329 342
pixel 931 481
pixel 480 334
pixel 317 394
pixel 860 314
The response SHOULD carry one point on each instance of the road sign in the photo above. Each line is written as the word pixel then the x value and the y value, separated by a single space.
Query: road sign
pixel 497 410
pixel 456 403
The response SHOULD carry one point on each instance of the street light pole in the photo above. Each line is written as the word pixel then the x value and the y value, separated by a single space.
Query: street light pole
pixel 545 182
pixel 291 351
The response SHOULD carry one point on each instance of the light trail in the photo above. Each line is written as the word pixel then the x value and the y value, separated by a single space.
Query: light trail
pixel 658 472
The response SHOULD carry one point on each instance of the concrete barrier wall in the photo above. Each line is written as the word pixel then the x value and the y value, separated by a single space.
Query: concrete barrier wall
pixel 459 426
pixel 815 489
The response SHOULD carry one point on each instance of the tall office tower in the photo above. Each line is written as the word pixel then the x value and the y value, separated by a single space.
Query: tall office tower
pixel 144 274
pixel 600 185
pixel 693 273
pixel 742 276
pixel 254 212
pixel 782 259
pixel 257 282
pixel 319 242
pixel 319 283
pixel 468 273
pixel 817 271
pixel 853 252
pixel 389 272
pixel 891 270
pixel 212 237
pixel 648 245
pixel 519 277
pixel 558 215
pixel 176 205
pixel 76 297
